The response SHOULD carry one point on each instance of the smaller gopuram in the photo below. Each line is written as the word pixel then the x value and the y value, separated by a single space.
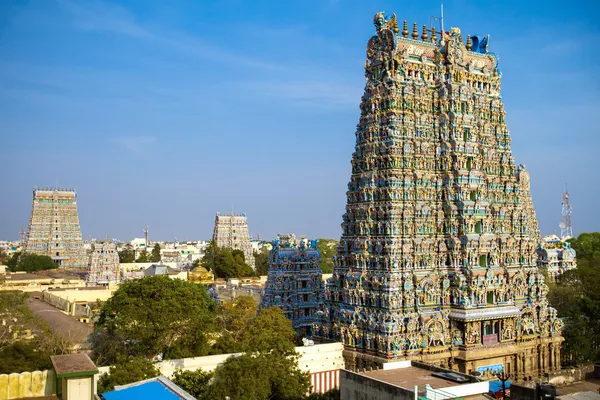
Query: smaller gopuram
pixel 231 231
pixel 555 257
pixel 54 227
pixel 104 264
pixel 294 282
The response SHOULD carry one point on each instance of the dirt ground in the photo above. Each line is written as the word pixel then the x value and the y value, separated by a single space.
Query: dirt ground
pixel 60 323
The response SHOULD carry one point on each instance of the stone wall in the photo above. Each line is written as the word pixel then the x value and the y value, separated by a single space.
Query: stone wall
pixel 358 387
pixel 568 376
pixel 27 384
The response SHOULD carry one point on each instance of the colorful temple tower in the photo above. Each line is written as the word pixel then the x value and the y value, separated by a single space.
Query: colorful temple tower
pixel 54 228
pixel 437 259
pixel 555 257
pixel 294 282
pixel 104 264
pixel 231 231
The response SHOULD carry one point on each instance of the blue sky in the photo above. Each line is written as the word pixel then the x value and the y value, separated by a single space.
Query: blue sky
pixel 163 113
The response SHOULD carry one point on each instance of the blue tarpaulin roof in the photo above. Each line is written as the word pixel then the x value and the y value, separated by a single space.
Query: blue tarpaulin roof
pixel 496 386
pixel 153 390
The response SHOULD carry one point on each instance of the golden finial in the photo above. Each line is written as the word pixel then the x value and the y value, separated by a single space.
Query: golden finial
pixel 424 36
pixel 393 24
pixel 405 30
pixel 433 35
pixel 415 34
pixel 469 43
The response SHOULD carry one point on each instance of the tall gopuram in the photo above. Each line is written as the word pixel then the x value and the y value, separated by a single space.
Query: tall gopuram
pixel 437 259
pixel 295 282
pixel 54 227
pixel 231 231
pixel 104 264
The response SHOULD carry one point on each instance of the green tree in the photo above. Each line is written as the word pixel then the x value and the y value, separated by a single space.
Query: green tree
pixel 23 356
pixel 155 254
pixel 577 300
pixel 259 376
pixel 143 257
pixel 194 382
pixel 210 254
pixel 13 261
pixel 155 315
pixel 261 260
pixel 327 247
pixel 35 262
pixel 126 370
pixel 235 318
pixel 127 255
pixel 3 257
pixel 270 331
pixel 333 394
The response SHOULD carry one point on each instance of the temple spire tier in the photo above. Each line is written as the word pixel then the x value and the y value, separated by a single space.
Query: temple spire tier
pixel 439 237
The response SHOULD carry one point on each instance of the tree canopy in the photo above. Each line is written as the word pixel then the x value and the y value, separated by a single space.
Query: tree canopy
pixel 143 257
pixel 155 254
pixel 126 370
pixel 34 262
pixel 577 299
pixel 225 262
pixel 127 255
pixel 153 316
pixel 261 261
pixel 194 382
pixel 327 247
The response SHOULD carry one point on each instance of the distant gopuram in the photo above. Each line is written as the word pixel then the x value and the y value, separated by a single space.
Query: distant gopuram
pixel 231 231
pixel 54 228
pixel 295 282
pixel 104 264
pixel 437 259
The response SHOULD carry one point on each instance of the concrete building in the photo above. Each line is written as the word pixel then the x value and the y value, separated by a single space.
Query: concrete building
pixel 54 227
pixel 407 380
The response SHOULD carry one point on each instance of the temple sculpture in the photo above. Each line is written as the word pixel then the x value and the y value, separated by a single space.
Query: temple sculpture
pixel 437 259
pixel 295 282
pixel 54 228
pixel 231 231
pixel 104 264
pixel 555 257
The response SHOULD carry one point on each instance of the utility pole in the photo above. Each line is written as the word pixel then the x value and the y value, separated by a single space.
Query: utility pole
pixel 503 377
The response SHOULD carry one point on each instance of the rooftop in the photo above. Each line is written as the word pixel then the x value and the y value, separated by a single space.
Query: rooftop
pixel 410 377
pixel 73 365
pixel 159 388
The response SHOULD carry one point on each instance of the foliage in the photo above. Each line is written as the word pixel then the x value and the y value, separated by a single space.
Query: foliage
pixel 225 263
pixel 194 382
pixel 261 261
pixel 235 318
pixel 259 376
pixel 155 254
pixel 270 331
pixel 333 394
pixel 126 370
pixel 155 315
pixel 127 255
pixel 327 247
pixel 11 263
pixel 23 356
pixel 3 257
pixel 35 262
pixel 577 299
pixel 143 257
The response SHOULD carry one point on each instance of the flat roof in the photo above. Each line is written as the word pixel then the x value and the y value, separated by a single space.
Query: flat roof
pixel 73 365
pixel 159 388
pixel 409 377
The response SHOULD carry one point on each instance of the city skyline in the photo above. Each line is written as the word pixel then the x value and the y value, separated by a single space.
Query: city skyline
pixel 164 116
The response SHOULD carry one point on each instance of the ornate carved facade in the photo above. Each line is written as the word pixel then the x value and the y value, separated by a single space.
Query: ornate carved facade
pixel 104 264
pixel 295 282
pixel 555 257
pixel 437 259
pixel 54 227
pixel 231 231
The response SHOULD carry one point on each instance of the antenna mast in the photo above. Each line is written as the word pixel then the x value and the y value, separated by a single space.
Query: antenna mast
pixel 146 236
pixel 566 229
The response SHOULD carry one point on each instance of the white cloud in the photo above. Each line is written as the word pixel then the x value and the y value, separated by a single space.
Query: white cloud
pixel 137 144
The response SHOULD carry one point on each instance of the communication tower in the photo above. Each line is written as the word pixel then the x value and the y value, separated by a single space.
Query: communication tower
pixel 566 230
